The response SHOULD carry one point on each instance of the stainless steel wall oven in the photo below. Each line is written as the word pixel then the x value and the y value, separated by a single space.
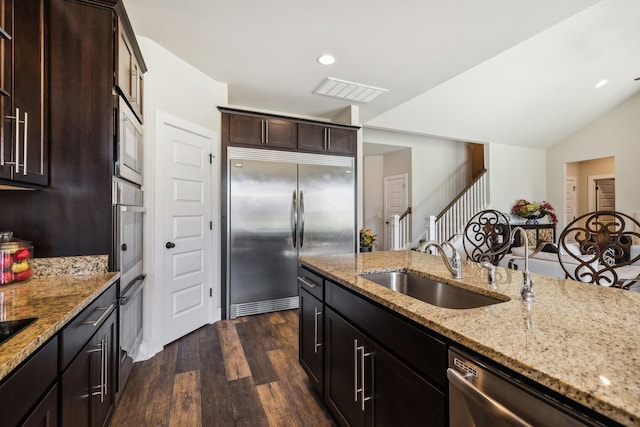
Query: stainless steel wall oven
pixel 128 245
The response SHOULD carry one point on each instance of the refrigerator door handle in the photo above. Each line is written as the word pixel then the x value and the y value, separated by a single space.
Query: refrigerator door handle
pixel 294 219
pixel 301 218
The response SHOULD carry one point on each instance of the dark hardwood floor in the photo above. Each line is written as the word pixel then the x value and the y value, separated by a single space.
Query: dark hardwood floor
pixel 241 372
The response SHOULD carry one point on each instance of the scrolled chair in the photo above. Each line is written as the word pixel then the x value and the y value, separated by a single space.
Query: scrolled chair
pixel 596 248
pixel 486 236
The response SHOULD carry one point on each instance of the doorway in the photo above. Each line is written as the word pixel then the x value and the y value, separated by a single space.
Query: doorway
pixel 396 202
pixel 586 173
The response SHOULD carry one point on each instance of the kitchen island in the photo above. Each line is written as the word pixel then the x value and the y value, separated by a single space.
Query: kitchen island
pixel 579 340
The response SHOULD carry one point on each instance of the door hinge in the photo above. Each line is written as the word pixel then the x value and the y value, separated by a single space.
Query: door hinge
pixel 211 292
pixel 210 158
pixel 210 225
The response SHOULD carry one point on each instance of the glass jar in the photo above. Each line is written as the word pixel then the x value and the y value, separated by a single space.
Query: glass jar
pixel 15 259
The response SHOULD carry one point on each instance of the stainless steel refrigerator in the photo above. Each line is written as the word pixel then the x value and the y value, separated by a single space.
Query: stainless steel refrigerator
pixel 282 205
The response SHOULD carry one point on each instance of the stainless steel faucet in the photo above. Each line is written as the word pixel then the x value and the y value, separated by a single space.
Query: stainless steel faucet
pixel 454 264
pixel 526 290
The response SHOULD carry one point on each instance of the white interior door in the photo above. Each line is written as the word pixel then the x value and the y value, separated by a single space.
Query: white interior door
pixel 185 215
pixel 606 194
pixel 396 201
pixel 570 188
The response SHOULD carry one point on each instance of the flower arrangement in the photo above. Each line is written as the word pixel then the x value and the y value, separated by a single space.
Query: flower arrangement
pixel 367 238
pixel 534 210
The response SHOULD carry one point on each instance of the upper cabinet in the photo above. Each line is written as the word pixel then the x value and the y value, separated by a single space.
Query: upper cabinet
pixel 23 140
pixel 283 133
pixel 257 130
pixel 130 69
pixel 326 139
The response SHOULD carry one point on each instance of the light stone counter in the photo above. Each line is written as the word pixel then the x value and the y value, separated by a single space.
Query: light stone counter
pixel 580 340
pixel 54 301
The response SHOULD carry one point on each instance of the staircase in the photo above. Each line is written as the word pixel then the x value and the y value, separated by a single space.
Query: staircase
pixel 453 218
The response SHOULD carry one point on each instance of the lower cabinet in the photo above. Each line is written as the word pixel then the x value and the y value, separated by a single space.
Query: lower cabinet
pixel 311 332
pixel 46 413
pixel 371 366
pixel 88 384
pixel 365 385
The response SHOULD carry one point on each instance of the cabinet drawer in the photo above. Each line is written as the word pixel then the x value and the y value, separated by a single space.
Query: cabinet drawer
pixel 311 282
pixel 76 334
pixel 24 387
pixel 423 352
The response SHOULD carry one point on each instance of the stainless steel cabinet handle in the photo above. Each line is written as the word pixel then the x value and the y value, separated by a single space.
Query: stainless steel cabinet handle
pixel 102 387
pixel 363 354
pixel 262 130
pixel 316 344
pixel 301 218
pixel 309 284
pixel 105 310
pixel 17 159
pixel 329 139
pixel 266 126
pixel 355 370
pixel 324 142
pixel 24 137
pixel 294 214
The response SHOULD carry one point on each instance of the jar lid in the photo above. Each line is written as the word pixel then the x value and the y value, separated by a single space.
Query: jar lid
pixel 7 241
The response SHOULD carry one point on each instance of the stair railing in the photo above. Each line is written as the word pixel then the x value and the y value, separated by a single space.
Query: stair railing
pixel 401 230
pixel 453 218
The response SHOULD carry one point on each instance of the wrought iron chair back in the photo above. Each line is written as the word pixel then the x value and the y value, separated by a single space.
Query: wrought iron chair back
pixel 486 236
pixel 603 239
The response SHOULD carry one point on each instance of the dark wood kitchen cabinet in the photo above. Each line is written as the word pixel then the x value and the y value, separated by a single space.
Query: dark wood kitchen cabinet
pixel 24 142
pixel 248 129
pixel 326 139
pixel 263 131
pixel 29 394
pixel 311 330
pixel 130 69
pixel 378 368
pixel 80 120
pixel 88 381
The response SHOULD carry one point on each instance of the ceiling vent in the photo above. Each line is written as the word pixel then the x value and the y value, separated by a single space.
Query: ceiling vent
pixel 347 90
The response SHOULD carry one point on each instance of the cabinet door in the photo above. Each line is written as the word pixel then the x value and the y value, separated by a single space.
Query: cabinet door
pixel 130 77
pixel 311 338
pixel 88 384
pixel 28 134
pixel 400 396
pixel 6 105
pixel 262 131
pixel 343 372
pixel 312 138
pixel 46 413
pixel 341 141
pixel 326 139
pixel 103 371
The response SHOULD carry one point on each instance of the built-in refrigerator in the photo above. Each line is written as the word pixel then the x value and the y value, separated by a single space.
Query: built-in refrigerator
pixel 281 205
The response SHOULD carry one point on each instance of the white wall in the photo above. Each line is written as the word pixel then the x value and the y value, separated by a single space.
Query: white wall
pixel 433 161
pixel 373 197
pixel 172 86
pixel 515 173
pixel 615 134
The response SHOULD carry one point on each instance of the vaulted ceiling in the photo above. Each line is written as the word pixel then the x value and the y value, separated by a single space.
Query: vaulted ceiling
pixel 519 73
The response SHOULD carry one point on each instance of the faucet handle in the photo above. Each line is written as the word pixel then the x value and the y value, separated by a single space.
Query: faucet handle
pixel 491 272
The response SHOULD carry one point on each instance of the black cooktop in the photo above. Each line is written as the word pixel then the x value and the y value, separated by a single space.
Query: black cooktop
pixel 10 327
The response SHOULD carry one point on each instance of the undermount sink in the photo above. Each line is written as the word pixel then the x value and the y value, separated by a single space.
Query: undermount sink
pixel 430 291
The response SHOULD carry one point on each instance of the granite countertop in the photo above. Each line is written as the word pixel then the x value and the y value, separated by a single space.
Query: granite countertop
pixel 54 301
pixel 580 340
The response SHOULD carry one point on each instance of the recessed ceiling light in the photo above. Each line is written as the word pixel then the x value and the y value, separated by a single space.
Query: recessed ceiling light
pixel 601 83
pixel 326 59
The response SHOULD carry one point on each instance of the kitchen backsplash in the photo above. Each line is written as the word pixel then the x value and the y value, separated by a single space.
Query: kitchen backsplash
pixel 60 266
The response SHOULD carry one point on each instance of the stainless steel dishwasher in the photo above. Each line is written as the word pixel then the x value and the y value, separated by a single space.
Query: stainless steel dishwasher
pixel 482 396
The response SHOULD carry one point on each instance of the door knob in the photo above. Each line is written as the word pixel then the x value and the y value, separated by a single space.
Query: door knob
pixel 124 246
pixel 170 245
